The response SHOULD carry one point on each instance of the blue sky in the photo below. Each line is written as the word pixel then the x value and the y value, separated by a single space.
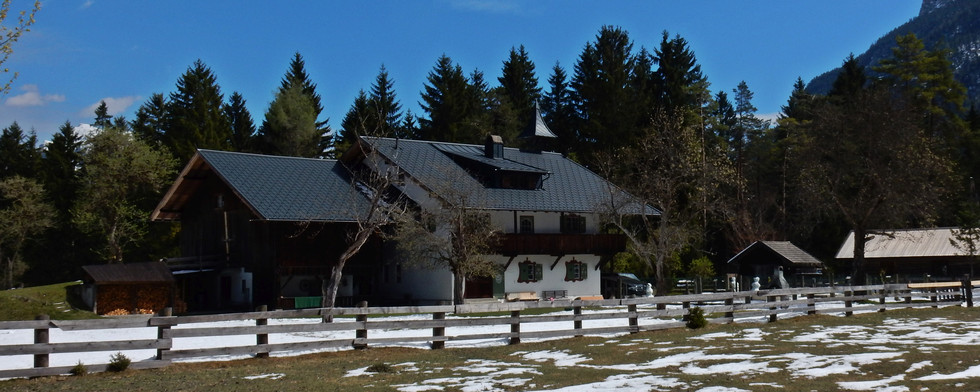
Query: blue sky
pixel 83 51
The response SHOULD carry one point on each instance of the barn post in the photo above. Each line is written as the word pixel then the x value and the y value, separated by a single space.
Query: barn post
pixel 41 337
pixel 261 339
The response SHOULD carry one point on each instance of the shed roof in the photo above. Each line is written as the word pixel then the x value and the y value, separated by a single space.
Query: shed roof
pixel 905 243
pixel 275 188
pixel 150 272
pixel 785 250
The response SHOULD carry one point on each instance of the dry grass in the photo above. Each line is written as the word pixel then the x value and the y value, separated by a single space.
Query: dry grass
pixel 748 356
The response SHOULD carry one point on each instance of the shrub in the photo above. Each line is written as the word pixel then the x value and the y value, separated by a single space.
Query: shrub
pixel 79 370
pixel 117 363
pixel 695 318
pixel 380 368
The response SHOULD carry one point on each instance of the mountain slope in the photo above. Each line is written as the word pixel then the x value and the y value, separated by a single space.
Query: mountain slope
pixel 953 24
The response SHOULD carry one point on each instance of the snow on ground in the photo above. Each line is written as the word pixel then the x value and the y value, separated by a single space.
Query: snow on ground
pixel 478 375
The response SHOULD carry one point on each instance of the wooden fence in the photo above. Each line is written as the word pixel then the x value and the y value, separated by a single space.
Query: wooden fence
pixel 619 315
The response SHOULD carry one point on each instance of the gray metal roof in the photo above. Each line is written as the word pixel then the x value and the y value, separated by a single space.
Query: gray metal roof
pixel 151 272
pixel 905 243
pixel 281 188
pixel 567 186
pixel 537 127
pixel 784 249
pixel 475 153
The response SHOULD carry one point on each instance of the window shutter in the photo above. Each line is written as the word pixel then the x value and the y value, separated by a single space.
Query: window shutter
pixel 584 270
pixel 538 272
pixel 523 272
pixel 569 271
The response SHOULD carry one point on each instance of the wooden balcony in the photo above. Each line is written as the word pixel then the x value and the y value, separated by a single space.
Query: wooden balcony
pixel 561 244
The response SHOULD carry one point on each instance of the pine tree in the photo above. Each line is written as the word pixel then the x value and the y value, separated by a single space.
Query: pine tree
pixel 19 154
pixel 383 108
pixel 242 126
pixel 296 76
pixel 60 163
pixel 354 124
pixel 447 100
pixel 850 80
pixel 558 109
pixel 102 117
pixel 683 86
pixel 150 123
pixel 409 127
pixel 194 116
pixel 289 127
pixel 519 84
pixel 925 77
pixel 600 92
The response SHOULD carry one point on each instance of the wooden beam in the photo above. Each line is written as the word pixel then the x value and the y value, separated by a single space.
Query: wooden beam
pixel 556 262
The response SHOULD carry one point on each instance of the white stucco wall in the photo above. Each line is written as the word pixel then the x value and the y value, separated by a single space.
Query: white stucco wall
pixel 418 285
pixel 552 279
pixel 544 222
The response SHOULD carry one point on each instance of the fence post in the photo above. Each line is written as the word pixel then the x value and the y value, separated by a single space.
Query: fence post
pixel 361 333
pixel 261 339
pixel 881 299
pixel 968 292
pixel 730 303
pixel 811 304
pixel 162 331
pixel 515 326
pixel 577 311
pixel 772 308
pixel 934 297
pixel 41 337
pixel 438 332
pixel 634 319
pixel 848 295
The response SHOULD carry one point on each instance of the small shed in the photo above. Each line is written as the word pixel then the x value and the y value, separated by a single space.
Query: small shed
pixel 135 288
pixel 763 259
pixel 913 254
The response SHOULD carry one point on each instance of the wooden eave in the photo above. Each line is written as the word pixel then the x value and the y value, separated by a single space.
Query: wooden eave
pixel 185 187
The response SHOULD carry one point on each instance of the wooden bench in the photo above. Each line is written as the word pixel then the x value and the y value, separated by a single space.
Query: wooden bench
pixel 554 294
pixel 522 296
pixel 591 298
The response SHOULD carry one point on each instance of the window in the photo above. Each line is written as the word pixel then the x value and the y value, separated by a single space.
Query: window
pixel 526 223
pixel 530 271
pixel 576 270
pixel 572 224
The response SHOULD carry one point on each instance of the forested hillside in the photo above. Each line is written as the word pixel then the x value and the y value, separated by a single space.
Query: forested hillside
pixel 948 24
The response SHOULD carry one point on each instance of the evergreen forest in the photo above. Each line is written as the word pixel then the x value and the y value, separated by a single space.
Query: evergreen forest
pixel 895 145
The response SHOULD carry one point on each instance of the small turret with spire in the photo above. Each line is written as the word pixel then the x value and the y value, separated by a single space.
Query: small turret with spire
pixel 537 135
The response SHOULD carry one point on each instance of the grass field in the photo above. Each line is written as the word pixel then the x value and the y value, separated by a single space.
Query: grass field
pixel 27 303
pixel 901 350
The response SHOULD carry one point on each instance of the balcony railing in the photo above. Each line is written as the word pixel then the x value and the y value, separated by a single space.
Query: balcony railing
pixel 561 244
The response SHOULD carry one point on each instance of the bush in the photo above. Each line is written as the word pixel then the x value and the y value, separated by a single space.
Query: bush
pixel 79 370
pixel 117 363
pixel 380 368
pixel 695 318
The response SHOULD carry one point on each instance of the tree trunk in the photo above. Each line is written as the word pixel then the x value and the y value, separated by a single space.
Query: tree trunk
pixel 663 286
pixel 328 289
pixel 459 285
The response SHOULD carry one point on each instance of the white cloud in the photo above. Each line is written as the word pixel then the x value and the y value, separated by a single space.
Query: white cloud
pixel 87 4
pixel 32 97
pixel 493 6
pixel 115 105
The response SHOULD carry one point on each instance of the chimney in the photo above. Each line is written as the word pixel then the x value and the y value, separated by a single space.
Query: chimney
pixel 494 147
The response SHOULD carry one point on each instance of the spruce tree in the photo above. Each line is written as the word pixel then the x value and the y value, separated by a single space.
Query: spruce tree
pixel 102 117
pixel 600 83
pixel 194 114
pixel 150 123
pixel 384 110
pixel 850 80
pixel 18 152
pixel 519 84
pixel 558 109
pixel 447 101
pixel 289 127
pixel 296 76
pixel 683 86
pixel 355 123
pixel 242 126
